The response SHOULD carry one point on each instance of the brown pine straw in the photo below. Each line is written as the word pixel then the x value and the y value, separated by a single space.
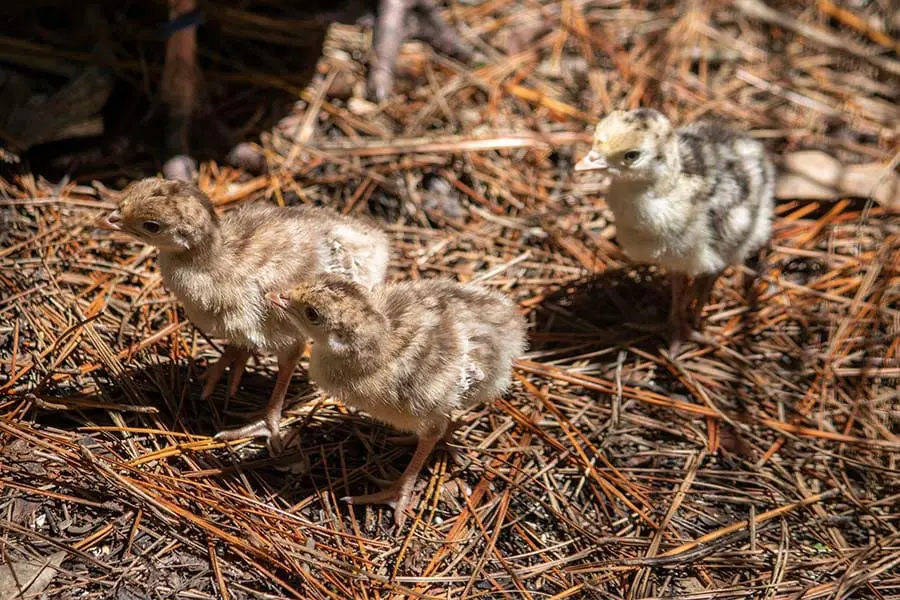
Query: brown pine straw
pixel 761 462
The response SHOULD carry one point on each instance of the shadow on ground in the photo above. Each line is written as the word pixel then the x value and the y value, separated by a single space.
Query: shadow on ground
pixel 327 447
pixel 251 79
pixel 619 307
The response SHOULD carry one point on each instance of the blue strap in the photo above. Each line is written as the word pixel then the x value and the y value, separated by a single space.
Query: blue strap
pixel 192 18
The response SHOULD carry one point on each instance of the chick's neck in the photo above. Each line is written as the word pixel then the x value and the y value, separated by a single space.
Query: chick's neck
pixel 371 346
pixel 203 246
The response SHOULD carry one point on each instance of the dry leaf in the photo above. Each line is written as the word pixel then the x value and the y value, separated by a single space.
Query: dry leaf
pixel 28 578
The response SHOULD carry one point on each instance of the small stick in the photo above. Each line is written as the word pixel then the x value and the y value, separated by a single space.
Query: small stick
pixel 734 527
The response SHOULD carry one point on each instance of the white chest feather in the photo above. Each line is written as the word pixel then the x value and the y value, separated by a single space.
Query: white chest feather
pixel 648 225
pixel 372 393
pixel 664 228
pixel 235 310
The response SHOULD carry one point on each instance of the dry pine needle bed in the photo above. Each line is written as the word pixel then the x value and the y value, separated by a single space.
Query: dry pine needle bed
pixel 765 464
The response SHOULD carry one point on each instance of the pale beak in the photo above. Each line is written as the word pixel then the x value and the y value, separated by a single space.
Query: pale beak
pixel 111 222
pixel 277 299
pixel 594 161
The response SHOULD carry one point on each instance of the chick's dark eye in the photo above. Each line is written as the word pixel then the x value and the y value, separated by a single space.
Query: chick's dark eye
pixel 151 226
pixel 311 314
pixel 632 155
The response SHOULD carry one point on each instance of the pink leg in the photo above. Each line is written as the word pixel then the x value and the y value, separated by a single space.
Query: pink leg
pixel 237 370
pixel 402 440
pixel 677 315
pixel 397 494
pixel 412 438
pixel 702 289
pixel 215 372
pixel 269 425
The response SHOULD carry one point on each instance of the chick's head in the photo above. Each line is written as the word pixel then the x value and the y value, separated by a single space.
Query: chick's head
pixel 172 215
pixel 334 311
pixel 636 144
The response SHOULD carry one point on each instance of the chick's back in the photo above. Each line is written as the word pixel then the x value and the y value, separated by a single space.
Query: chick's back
pixel 469 335
pixel 451 347
pixel 264 248
pixel 281 246
pixel 734 183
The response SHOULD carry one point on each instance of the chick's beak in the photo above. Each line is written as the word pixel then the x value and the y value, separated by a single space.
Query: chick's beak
pixel 277 299
pixel 594 161
pixel 111 222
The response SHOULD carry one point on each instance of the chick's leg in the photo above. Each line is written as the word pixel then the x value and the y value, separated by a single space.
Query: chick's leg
pixel 287 362
pixel 702 289
pixel 447 439
pixel 215 372
pixel 237 370
pixel 397 494
pixel 270 425
pixel 678 324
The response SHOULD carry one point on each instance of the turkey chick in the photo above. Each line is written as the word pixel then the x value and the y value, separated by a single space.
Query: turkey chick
pixel 694 200
pixel 220 269
pixel 408 354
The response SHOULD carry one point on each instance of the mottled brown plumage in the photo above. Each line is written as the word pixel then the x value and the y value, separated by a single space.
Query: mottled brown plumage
pixel 220 269
pixel 409 354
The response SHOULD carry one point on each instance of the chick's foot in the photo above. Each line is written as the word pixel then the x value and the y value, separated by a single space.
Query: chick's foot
pixel 269 426
pixel 399 19
pixel 396 496
pixel 263 428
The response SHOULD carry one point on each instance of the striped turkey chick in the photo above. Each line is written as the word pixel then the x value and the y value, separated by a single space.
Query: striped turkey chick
pixel 694 200
pixel 220 269
pixel 409 354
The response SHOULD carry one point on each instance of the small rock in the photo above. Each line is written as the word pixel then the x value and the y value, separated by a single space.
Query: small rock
pixel 342 86
pixel 246 156
pixel 361 107
pixel 469 117
pixel 815 175
pixel 180 168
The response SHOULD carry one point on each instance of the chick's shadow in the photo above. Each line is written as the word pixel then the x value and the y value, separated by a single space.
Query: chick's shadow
pixel 170 391
pixel 328 447
pixel 628 308
pixel 618 307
